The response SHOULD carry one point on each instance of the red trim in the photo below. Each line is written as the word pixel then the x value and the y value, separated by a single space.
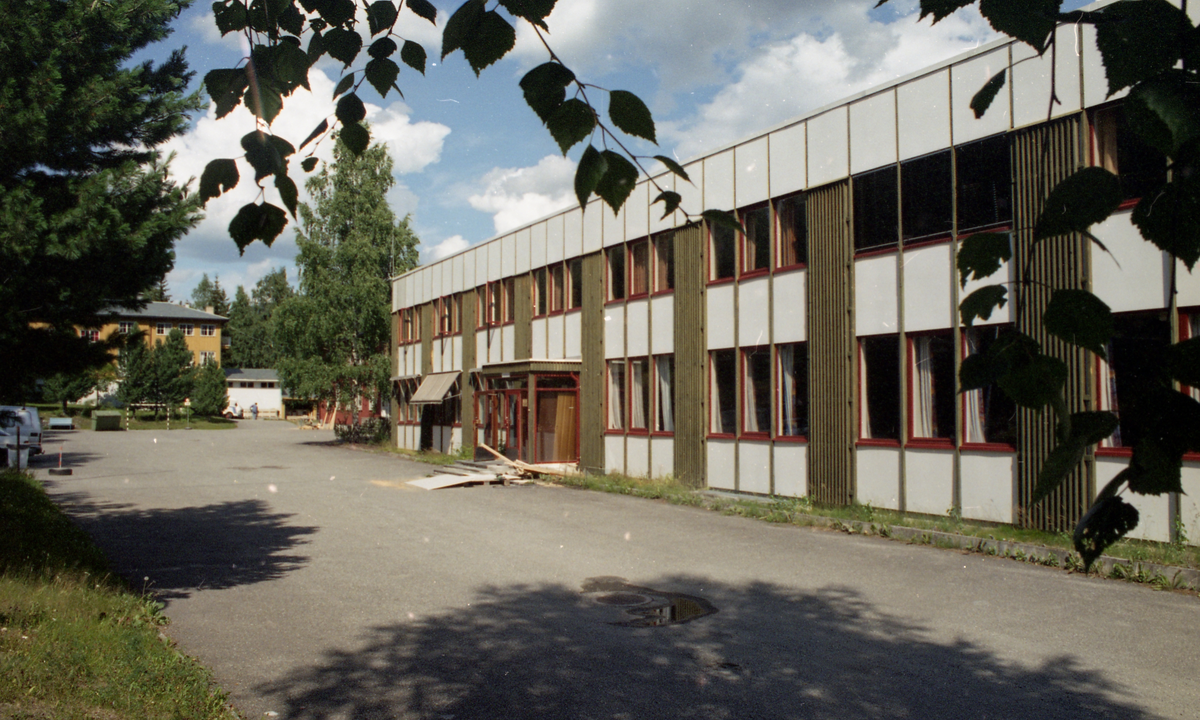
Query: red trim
pixel 796 439
pixel 1114 452
pixel 874 252
pixel 659 293
pixel 638 296
pixel 987 447
pixel 764 436
pixel 964 233
pixel 1128 204
pixel 786 268
pixel 919 243
pixel 721 436
pixel 610 431
pixel 1191 457
pixel 722 281
pixel 881 442
pixel 930 443
pixel 662 433
pixel 568 311
pixel 755 273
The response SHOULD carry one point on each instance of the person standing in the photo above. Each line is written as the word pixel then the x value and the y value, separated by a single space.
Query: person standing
pixel 254 411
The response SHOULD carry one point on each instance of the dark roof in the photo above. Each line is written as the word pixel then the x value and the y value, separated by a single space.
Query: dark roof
pixel 250 374
pixel 165 311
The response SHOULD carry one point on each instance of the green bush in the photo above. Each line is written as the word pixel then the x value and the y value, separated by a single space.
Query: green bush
pixel 370 430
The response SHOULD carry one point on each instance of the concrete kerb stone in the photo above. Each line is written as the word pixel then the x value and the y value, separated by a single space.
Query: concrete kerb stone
pixel 1167 576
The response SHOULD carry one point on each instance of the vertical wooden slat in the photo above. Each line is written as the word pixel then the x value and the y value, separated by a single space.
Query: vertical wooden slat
pixel 394 364
pixel 831 346
pixel 469 303
pixel 592 370
pixel 691 356
pixel 523 316
pixel 1041 158
pixel 428 318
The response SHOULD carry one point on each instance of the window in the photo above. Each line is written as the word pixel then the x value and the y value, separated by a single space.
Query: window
pixel 664 262
pixel 162 328
pixel 932 358
pixel 616 273
pixel 510 297
pixel 407 333
pixel 575 280
pixel 616 394
pixel 793 389
pixel 188 329
pixel 756 243
pixel 989 416
pixel 208 330
pixel 557 290
pixel 1141 168
pixel 90 335
pixel 1133 371
pixel 639 394
pixel 541 293
pixel 664 399
pixel 927 192
pixel 639 268
pixel 983 184
pixel 875 209
pixel 756 388
pixel 793 231
pixel 723 394
pixel 722 252
pixel 879 387
pixel 126 326
pixel 442 308
pixel 494 304
pixel 207 356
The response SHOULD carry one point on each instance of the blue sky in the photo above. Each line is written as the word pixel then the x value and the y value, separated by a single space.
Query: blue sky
pixel 472 161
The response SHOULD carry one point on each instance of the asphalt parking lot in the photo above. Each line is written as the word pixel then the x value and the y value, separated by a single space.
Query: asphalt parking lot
pixel 317 584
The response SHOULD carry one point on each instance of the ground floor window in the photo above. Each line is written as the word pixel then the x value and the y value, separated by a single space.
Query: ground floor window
pixel 932 402
pixel 723 392
pixel 793 389
pixel 756 389
pixel 616 394
pixel 664 406
pixel 989 416
pixel 1133 370
pixel 879 387
pixel 639 394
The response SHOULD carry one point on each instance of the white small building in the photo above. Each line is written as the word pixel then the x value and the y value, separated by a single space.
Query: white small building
pixel 249 386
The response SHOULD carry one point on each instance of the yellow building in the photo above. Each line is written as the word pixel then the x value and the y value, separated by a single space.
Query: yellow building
pixel 202 329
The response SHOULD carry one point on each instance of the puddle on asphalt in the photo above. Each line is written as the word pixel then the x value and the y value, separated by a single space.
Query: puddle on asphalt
pixel 648 607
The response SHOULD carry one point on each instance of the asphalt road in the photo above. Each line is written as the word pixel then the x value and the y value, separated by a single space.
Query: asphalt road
pixel 316 584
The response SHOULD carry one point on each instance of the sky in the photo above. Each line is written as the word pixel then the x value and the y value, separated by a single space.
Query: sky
pixel 471 160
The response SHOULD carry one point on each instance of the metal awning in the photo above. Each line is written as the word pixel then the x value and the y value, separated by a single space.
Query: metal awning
pixel 433 388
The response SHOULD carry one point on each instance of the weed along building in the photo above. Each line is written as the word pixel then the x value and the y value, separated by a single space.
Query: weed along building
pixel 816 355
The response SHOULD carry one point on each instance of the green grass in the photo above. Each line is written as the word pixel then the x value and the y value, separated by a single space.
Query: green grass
pixel 75 642
pixel 432 457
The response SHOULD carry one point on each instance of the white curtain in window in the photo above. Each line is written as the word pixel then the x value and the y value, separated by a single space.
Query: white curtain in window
pixel 749 396
pixel 616 395
pixel 666 410
pixel 864 407
pixel 923 421
pixel 637 382
pixel 1108 396
pixel 715 402
pixel 787 374
pixel 973 406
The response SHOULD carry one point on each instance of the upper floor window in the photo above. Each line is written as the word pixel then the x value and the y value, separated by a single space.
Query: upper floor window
pixel 756 388
pixel 639 268
pixel 616 272
pixel 722 256
pixel 448 314
pixel 1141 168
pixel 927 208
pixel 126 326
pixel 876 202
pixel 510 297
pixel 188 329
pixel 207 330
pixel 557 288
pixel 983 183
pixel 575 283
pixel 756 243
pixel 541 292
pixel 162 328
pixel 664 262
pixel 791 215
pixel 90 335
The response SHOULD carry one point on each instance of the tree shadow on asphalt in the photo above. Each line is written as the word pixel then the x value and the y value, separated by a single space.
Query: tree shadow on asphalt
pixel 769 652
pixel 171 552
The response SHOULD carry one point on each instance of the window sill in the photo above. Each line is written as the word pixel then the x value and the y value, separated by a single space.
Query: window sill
pixel 876 251
pixel 930 443
pixel 637 296
pixel 615 431
pixel 638 432
pixel 791 268
pixel 918 243
pixel 1114 452
pixel 671 434
pixel 755 437
pixel 663 293
pixel 794 439
pixel 882 442
pixel 988 447
pixel 965 233
pixel 721 281
pixel 721 436
pixel 614 301
pixel 757 273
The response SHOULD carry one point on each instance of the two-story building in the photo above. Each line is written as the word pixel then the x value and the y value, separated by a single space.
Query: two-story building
pixel 202 329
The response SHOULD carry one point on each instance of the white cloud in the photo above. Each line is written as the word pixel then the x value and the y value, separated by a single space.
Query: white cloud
pixel 516 196
pixel 444 249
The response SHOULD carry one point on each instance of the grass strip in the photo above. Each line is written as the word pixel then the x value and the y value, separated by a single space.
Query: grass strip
pixel 75 642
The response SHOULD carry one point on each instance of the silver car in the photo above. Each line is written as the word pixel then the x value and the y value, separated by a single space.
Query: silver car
pixel 25 421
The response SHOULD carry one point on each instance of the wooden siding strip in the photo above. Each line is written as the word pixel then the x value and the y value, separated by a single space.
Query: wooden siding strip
pixel 691 355
pixel 592 375
pixel 523 317
pixel 469 304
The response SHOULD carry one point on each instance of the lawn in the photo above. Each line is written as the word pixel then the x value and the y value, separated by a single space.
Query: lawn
pixel 76 642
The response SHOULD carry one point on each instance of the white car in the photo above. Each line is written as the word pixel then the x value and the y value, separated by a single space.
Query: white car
pixel 14 418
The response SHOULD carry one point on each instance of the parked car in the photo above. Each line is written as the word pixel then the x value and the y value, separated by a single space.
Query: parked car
pixel 233 412
pixel 27 421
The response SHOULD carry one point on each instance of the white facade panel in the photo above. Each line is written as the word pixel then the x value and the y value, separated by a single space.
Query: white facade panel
pixel 614 453
pixel 790 321
pixel 791 463
pixel 722 467
pixel 539 332
pixel 397 294
pixel 659 223
pixel 753 323
pixel 573 330
pixel 614 225
pixel 637 211
pixel 456 362
pixel 929 481
pixel 437 357
pixel 987 486
pixel 1031 80
pixel 436 277
pixel 1136 275
pixel 537 245
pixel 966 79
pixel 553 229
pixel 873 132
pixel 927 285
pixel 637 327
pixel 637 456
pixel 662 324
pixel 508 256
pixel 1188 285
pixel 1095 83
pixel 554 337
pixel 524 261
pixel 718 181
pixel 878 476
pixel 495 345
pixel 875 295
pixel 481 349
pixel 493 270
pixel 662 456
pixel 508 344
pixel 751 182
pixel 478 261
pixel 1154 516
pixel 719 323
pixel 789 167
pixel 459 283
pixel 923 115
pixel 828 155
pixel 469 279
pixel 593 227
pixel 573 233
pixel 754 467
pixel 1189 503
pixel 691 194
pixel 614 331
